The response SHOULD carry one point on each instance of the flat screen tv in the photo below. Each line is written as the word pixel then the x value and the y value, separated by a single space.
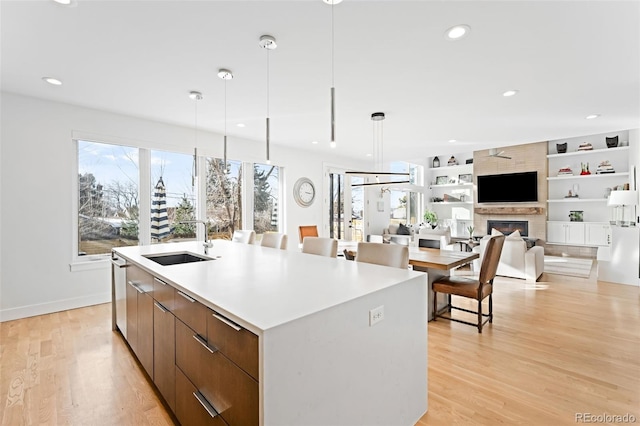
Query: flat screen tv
pixel 508 188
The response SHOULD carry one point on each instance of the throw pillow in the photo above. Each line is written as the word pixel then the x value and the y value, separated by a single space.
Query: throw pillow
pixel 515 235
pixel 495 232
pixel 403 230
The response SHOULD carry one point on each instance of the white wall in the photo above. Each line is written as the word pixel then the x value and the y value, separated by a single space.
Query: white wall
pixel 37 159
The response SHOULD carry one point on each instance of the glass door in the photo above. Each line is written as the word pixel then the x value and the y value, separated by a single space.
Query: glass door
pixel 346 208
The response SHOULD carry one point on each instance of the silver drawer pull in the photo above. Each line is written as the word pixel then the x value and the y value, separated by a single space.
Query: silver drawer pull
pixel 230 323
pixel 162 308
pixel 190 299
pixel 204 343
pixel 134 285
pixel 119 265
pixel 159 281
pixel 205 404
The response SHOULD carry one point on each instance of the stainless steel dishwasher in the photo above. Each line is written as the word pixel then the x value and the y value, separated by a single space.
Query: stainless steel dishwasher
pixel 119 293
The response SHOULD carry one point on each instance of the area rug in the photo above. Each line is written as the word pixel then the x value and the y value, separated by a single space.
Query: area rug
pixel 571 266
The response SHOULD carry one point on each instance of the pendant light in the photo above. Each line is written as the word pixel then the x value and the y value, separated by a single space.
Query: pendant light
pixel 378 153
pixel 225 74
pixel 268 43
pixel 195 96
pixel 332 142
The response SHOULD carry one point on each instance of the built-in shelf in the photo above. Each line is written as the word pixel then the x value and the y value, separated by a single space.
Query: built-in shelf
pixel 592 151
pixel 450 168
pixel 578 200
pixel 591 176
pixel 451 185
pixel 451 203
pixel 510 210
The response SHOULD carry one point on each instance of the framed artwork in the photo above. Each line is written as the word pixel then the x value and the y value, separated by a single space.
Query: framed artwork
pixel 441 180
pixel 466 178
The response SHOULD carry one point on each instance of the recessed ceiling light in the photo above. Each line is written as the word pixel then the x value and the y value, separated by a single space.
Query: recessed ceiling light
pixel 314 142
pixel 240 125
pixel 332 1
pixel 592 116
pixel 509 93
pixel 67 2
pixel 369 155
pixel 457 32
pixel 53 81
pixel 452 141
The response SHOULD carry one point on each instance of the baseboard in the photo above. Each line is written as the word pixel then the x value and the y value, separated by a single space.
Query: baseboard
pixel 51 307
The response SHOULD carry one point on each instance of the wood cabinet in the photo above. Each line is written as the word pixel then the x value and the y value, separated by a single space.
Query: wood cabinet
pixel 164 353
pixel 222 384
pixel 191 407
pixel 140 316
pixel 203 364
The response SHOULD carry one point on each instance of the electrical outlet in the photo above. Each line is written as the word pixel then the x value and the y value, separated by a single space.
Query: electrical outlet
pixel 376 315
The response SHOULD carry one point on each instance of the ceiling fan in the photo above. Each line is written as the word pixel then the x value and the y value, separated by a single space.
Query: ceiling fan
pixel 493 152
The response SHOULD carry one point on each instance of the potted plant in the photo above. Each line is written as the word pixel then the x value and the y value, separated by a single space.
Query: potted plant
pixel 431 218
pixel 470 229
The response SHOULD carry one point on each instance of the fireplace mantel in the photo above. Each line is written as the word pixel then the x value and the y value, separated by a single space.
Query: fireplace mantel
pixel 509 210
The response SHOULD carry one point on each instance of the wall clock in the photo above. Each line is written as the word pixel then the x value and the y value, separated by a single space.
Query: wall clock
pixel 304 192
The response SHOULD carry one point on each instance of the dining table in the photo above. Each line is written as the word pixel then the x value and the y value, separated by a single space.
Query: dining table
pixel 436 263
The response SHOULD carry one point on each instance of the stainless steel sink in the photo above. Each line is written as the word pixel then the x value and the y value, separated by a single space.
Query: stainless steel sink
pixel 176 258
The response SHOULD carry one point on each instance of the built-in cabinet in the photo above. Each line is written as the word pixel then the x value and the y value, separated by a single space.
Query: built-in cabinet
pixel 450 193
pixel 140 316
pixel 204 365
pixel 580 180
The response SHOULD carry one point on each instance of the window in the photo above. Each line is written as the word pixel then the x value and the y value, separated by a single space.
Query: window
pixel 405 207
pixel 224 197
pixel 108 197
pixel 174 172
pixel 266 197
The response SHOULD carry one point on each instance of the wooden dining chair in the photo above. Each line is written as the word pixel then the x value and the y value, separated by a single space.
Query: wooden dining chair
pixel 472 288
pixel 307 231
pixel 274 240
pixel 245 236
pixel 320 246
pixel 383 254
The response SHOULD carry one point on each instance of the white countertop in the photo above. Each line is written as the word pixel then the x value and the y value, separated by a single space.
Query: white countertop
pixel 262 287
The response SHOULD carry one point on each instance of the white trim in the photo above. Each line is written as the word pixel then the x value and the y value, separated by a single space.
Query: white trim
pixel 247 195
pixel 56 306
pixel 94 262
pixel 144 195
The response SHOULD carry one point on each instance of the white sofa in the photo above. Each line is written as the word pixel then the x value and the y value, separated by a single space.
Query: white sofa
pixel 390 235
pixel 443 235
pixel 515 261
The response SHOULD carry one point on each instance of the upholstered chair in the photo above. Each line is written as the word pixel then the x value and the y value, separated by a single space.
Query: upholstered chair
pixel 470 287
pixel 307 231
pixel 274 240
pixel 383 254
pixel 320 246
pixel 245 236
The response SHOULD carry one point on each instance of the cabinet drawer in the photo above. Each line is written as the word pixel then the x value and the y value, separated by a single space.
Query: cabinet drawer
pixel 236 343
pixel 164 293
pixel 231 391
pixel 191 407
pixel 191 312
pixel 142 279
pixel 164 353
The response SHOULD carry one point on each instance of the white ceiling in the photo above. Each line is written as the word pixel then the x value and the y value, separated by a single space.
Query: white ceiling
pixel 568 59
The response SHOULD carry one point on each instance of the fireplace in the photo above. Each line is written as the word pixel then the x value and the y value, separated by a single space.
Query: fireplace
pixel 509 226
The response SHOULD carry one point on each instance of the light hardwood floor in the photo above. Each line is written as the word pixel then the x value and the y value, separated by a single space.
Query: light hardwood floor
pixel 557 348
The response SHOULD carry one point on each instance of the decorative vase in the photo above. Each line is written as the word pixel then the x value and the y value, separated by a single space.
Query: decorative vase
pixel 612 142
pixel 436 162
pixel 561 148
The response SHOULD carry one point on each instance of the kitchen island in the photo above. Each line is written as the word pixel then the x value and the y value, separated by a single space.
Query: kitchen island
pixel 264 336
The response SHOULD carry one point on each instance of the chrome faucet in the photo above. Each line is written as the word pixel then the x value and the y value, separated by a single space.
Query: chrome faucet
pixel 207 244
